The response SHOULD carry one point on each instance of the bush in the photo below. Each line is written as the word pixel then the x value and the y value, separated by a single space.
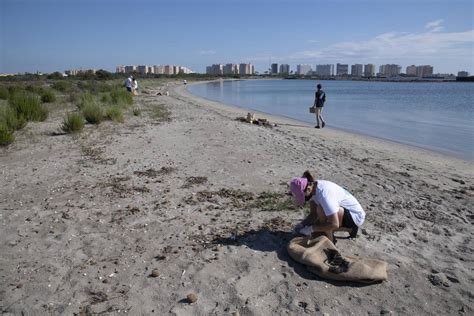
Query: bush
pixel 6 135
pixel 93 113
pixel 28 106
pixel 15 90
pixel 85 99
pixel 114 113
pixel 9 118
pixel 62 86
pixel 121 97
pixel 35 89
pixel 4 94
pixel 73 123
pixel 47 96
pixel 106 98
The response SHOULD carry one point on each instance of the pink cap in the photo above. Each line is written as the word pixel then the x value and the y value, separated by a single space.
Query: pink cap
pixel 297 187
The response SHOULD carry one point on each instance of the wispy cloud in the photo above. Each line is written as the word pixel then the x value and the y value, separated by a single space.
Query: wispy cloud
pixel 435 26
pixel 312 41
pixel 207 52
pixel 399 46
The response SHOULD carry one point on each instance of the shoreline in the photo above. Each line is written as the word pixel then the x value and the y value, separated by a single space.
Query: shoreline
pixel 133 217
pixel 289 120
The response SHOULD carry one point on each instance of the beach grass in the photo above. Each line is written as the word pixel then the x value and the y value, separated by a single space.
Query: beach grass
pixel 10 119
pixel 73 123
pixel 114 113
pixel 160 112
pixel 273 201
pixel 121 97
pixel 62 86
pixel 47 96
pixel 6 135
pixel 4 93
pixel 93 112
pixel 136 112
pixel 28 106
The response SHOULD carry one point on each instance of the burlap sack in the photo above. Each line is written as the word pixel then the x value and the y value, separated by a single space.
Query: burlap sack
pixel 314 254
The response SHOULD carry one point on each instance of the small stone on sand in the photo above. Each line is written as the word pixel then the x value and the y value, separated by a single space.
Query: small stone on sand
pixel 191 298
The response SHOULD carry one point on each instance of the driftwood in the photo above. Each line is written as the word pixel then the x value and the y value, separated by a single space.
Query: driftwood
pixel 252 119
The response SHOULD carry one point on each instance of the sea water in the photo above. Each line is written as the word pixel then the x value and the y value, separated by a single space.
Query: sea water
pixel 437 116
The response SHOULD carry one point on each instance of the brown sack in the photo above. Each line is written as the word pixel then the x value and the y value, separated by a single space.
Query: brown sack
pixel 314 254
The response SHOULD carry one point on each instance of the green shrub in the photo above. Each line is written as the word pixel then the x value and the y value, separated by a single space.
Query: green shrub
pixel 35 88
pixel 12 90
pixel 9 118
pixel 4 93
pixel 6 135
pixel 62 86
pixel 73 123
pixel 47 96
pixel 93 113
pixel 121 97
pixel 28 106
pixel 106 98
pixel 114 113
pixel 85 99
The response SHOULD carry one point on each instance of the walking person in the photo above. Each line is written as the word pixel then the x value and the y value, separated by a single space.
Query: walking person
pixel 129 83
pixel 135 86
pixel 319 99
pixel 332 208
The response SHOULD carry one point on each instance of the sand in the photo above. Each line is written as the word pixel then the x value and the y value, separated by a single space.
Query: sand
pixel 190 217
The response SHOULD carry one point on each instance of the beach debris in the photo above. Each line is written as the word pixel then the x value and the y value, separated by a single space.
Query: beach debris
pixel 155 273
pixel 438 279
pixel 252 119
pixel 191 298
pixel 194 181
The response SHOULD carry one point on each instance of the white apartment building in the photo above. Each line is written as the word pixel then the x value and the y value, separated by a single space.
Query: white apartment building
pixel 411 70
pixel 390 70
pixel 215 69
pixel 246 69
pixel 424 71
pixel 169 70
pixel 158 69
pixel 230 69
pixel 129 69
pixel 369 70
pixel 356 70
pixel 120 69
pixel 303 69
pixel 325 70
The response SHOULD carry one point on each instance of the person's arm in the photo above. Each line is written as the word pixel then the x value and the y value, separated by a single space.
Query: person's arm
pixel 315 98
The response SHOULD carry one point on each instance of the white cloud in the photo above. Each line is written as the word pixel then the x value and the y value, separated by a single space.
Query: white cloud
pixel 434 24
pixel 399 46
pixel 207 52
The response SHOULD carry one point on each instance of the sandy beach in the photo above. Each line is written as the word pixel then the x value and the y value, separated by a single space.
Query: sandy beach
pixel 133 217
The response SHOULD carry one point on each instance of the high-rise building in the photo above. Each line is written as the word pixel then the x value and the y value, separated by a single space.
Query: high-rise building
pixel 369 70
pixel 342 69
pixel 325 70
pixel 215 69
pixel 303 69
pixel 424 71
pixel 411 70
pixel 130 69
pixel 142 69
pixel 158 69
pixel 246 69
pixel 274 69
pixel 284 69
pixel 120 69
pixel 390 70
pixel 230 69
pixel 463 74
pixel 356 70
pixel 169 70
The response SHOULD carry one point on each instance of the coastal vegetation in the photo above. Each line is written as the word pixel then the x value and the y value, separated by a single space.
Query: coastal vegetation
pixel 73 123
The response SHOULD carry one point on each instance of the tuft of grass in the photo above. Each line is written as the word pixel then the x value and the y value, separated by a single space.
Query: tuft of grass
pixel 6 135
pixel 114 113
pixel 4 93
pixel 160 112
pixel 121 97
pixel 73 123
pixel 93 113
pixel 9 118
pixel 47 96
pixel 106 98
pixel 28 106
pixel 62 86
pixel 84 99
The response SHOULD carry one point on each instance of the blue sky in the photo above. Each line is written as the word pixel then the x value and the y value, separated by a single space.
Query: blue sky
pixel 54 35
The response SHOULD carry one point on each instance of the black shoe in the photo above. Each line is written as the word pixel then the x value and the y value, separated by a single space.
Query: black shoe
pixel 317 126
pixel 324 124
pixel 353 233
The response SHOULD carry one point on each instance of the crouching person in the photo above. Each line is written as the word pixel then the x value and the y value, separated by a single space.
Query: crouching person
pixel 332 208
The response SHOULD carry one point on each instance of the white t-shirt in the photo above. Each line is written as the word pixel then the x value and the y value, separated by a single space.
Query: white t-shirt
pixel 128 82
pixel 331 196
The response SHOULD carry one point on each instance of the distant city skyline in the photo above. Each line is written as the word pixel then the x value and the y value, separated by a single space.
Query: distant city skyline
pixel 55 35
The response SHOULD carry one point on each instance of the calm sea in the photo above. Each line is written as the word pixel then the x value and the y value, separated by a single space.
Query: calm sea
pixel 435 116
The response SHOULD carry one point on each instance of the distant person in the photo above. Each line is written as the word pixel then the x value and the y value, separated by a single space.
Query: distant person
pixel 319 99
pixel 135 86
pixel 331 207
pixel 185 82
pixel 129 83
